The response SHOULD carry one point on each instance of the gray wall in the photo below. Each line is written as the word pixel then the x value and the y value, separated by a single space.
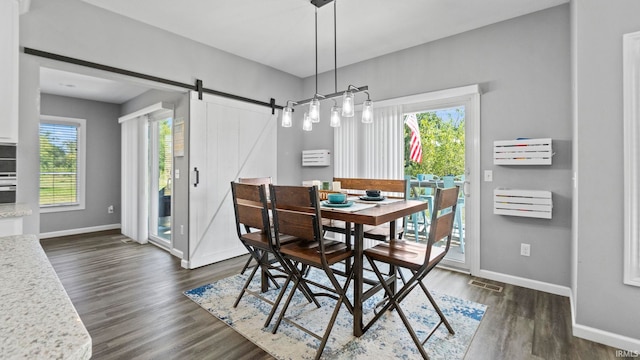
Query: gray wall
pixel 77 29
pixel 102 167
pixel 602 300
pixel 180 189
pixel 523 68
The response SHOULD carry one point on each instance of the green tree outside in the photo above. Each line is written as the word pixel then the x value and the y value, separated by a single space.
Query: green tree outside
pixel 58 170
pixel 442 143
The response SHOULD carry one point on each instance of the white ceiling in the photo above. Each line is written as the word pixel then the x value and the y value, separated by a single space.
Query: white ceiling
pixel 58 82
pixel 280 33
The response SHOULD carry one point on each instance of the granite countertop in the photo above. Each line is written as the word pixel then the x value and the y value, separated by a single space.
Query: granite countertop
pixel 37 318
pixel 14 210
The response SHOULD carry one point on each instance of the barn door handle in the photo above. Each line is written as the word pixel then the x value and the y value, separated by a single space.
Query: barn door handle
pixel 197 176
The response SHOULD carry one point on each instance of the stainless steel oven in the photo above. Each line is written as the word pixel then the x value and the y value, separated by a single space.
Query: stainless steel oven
pixel 8 182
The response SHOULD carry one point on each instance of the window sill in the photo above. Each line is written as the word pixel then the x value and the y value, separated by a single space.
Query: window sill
pixel 61 208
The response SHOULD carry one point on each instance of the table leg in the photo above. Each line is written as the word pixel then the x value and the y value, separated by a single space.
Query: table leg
pixel 357 280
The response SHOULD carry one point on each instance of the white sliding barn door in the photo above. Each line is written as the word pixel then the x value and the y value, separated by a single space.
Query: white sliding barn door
pixel 228 139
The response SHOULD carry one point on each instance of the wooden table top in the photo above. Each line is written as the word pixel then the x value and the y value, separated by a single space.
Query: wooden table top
pixel 378 215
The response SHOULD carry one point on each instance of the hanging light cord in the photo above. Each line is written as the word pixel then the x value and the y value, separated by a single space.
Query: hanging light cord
pixel 316 51
pixel 335 49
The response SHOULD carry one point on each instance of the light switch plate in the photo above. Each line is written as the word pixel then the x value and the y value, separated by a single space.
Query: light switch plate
pixel 488 175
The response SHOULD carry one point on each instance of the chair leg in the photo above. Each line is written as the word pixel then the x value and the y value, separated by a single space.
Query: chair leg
pixel 246 266
pixel 443 319
pixel 277 302
pixel 327 332
pixel 412 333
pixel 246 285
pixel 296 282
pixel 416 229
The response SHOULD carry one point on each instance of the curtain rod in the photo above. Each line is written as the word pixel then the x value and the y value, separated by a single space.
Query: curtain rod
pixel 197 87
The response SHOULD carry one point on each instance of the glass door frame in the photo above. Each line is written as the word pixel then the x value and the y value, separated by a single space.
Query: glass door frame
pixel 153 133
pixel 469 97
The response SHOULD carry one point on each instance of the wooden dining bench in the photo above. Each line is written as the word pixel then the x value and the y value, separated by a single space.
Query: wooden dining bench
pixel 356 187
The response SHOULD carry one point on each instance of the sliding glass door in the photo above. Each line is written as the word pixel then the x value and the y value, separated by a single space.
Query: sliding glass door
pixel 160 181
pixel 441 132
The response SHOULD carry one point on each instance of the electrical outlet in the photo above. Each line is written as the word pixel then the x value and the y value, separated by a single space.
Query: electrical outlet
pixel 488 175
pixel 525 249
pixel 110 209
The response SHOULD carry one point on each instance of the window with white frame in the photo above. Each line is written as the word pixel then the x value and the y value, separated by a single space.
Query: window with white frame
pixel 62 163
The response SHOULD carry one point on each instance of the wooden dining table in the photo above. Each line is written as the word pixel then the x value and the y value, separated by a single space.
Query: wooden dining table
pixel 378 215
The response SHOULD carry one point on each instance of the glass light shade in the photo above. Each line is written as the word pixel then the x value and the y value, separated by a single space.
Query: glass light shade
pixel 335 116
pixel 367 112
pixel 314 110
pixel 306 123
pixel 286 117
pixel 347 104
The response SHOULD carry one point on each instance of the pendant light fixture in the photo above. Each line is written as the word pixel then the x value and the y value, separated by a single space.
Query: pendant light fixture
pixel 287 114
pixel 367 110
pixel 348 97
pixel 335 115
pixel 307 125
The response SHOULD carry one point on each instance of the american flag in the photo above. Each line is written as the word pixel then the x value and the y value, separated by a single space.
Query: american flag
pixel 415 147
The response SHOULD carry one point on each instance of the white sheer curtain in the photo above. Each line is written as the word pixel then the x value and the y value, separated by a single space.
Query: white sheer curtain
pixel 371 150
pixel 133 179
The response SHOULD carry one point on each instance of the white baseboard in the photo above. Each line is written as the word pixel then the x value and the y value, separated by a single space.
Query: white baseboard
pixel 582 331
pixel 608 338
pixel 603 337
pixel 177 253
pixel 527 283
pixel 184 264
pixel 78 231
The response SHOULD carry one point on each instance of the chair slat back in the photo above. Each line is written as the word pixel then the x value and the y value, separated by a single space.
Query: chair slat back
pixel 442 217
pixel 388 187
pixel 250 206
pixel 296 211
pixel 256 181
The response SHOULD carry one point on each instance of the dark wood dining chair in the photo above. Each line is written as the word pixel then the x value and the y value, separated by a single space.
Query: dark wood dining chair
pixel 296 212
pixel 256 234
pixel 266 180
pixel 420 259
pixel 390 188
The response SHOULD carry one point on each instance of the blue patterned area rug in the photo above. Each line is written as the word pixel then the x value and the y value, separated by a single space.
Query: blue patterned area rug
pixel 386 339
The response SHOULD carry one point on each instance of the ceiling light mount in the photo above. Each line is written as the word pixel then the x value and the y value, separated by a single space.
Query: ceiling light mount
pixel 320 3
pixel 348 96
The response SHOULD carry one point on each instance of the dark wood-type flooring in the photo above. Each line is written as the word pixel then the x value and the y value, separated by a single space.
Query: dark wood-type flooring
pixel 129 297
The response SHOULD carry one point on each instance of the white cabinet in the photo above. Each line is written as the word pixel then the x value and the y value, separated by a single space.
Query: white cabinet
pixel 9 48
pixel 11 226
